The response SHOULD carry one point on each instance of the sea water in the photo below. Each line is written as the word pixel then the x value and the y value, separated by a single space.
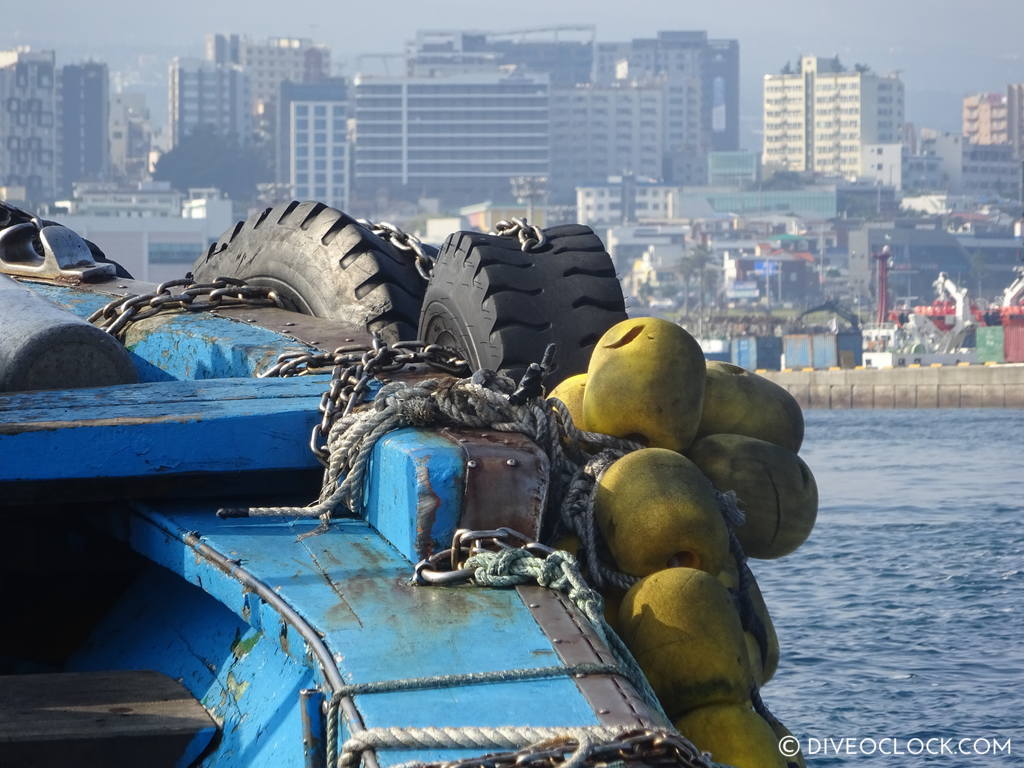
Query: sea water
pixel 902 617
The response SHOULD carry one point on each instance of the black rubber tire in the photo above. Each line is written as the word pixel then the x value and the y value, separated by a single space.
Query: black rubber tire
pixel 501 307
pixel 322 263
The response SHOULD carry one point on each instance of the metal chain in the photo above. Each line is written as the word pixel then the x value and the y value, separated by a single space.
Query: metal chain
pixel 530 236
pixel 353 370
pixel 654 748
pixel 116 316
pixel 403 241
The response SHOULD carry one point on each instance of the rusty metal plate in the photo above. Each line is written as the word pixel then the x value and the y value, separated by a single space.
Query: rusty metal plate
pixel 612 697
pixel 506 480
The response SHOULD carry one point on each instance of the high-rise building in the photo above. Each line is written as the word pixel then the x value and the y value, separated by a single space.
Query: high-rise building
pixel 332 91
pixel 1015 118
pixel 564 53
pixel 818 118
pixel 28 123
pixel 205 93
pixel 130 136
pixel 601 131
pixel 985 118
pixel 268 63
pixel 702 81
pixel 83 97
pixel 456 138
pixel 318 140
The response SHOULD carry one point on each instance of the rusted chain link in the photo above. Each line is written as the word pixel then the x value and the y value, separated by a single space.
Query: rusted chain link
pixel 116 316
pixel 353 370
pixel 586 747
pixel 530 236
pixel 403 241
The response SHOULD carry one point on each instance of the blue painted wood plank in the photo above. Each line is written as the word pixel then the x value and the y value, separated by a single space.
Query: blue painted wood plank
pixel 138 431
pixel 185 346
pixel 415 490
pixel 356 590
pixel 245 677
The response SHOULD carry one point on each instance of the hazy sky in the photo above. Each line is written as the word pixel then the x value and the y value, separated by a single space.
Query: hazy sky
pixel 944 48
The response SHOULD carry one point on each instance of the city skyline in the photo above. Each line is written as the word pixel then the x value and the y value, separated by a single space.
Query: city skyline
pixel 940 64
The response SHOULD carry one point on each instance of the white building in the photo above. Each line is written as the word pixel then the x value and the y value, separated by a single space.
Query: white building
pixel 318 142
pixel 28 123
pixel 205 93
pixel 153 234
pixel 626 199
pixel 882 164
pixel 818 119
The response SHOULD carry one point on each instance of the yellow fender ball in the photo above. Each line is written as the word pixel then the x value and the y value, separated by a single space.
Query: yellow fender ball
pixel 739 402
pixel 775 488
pixel 682 627
pixel 656 510
pixel 734 734
pixel 571 392
pixel 646 382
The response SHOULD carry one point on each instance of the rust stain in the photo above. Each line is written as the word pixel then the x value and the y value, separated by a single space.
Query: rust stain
pixel 427 504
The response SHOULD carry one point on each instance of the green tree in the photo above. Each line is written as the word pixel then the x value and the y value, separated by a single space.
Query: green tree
pixel 207 158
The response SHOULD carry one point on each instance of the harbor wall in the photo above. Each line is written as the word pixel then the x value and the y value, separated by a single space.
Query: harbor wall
pixel 965 386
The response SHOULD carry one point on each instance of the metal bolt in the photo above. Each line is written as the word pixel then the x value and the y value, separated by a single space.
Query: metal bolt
pixel 250 319
pixel 122 286
pixel 535 605
pixel 604 711
pixel 512 462
pixel 285 330
pixel 289 323
pixel 472 463
pixel 556 640
pixel 349 339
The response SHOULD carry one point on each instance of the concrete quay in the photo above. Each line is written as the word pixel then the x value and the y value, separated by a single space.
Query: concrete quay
pixel 964 386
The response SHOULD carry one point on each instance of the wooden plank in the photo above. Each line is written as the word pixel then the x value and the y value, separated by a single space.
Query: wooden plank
pixel 353 587
pixel 100 719
pixel 162 429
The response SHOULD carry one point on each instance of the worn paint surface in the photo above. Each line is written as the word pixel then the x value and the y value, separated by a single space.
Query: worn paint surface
pixel 161 428
pixel 185 346
pixel 355 589
pixel 414 491
pixel 239 674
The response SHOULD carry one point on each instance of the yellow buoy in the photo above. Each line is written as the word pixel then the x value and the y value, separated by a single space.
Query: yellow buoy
pixel 734 734
pixel 682 627
pixel 775 488
pixel 646 382
pixel 570 391
pixel 656 510
pixel 739 402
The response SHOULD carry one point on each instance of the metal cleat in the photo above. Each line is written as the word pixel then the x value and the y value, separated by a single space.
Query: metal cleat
pixel 51 252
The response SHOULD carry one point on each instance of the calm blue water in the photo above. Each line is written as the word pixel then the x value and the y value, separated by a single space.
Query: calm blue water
pixel 903 614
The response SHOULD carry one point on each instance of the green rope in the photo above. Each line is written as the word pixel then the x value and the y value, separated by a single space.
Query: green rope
pixel 560 571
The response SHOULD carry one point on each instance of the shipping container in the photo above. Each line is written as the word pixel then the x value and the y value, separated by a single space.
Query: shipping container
pixel 754 352
pixel 823 351
pixel 721 357
pixel 850 345
pixel 989 344
pixel 797 349
pixel 1013 342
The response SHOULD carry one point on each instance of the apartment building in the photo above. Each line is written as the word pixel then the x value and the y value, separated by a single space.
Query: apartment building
pixel 985 118
pixel 318 138
pixel 819 117
pixel 207 93
pixel 28 123
pixel 83 97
